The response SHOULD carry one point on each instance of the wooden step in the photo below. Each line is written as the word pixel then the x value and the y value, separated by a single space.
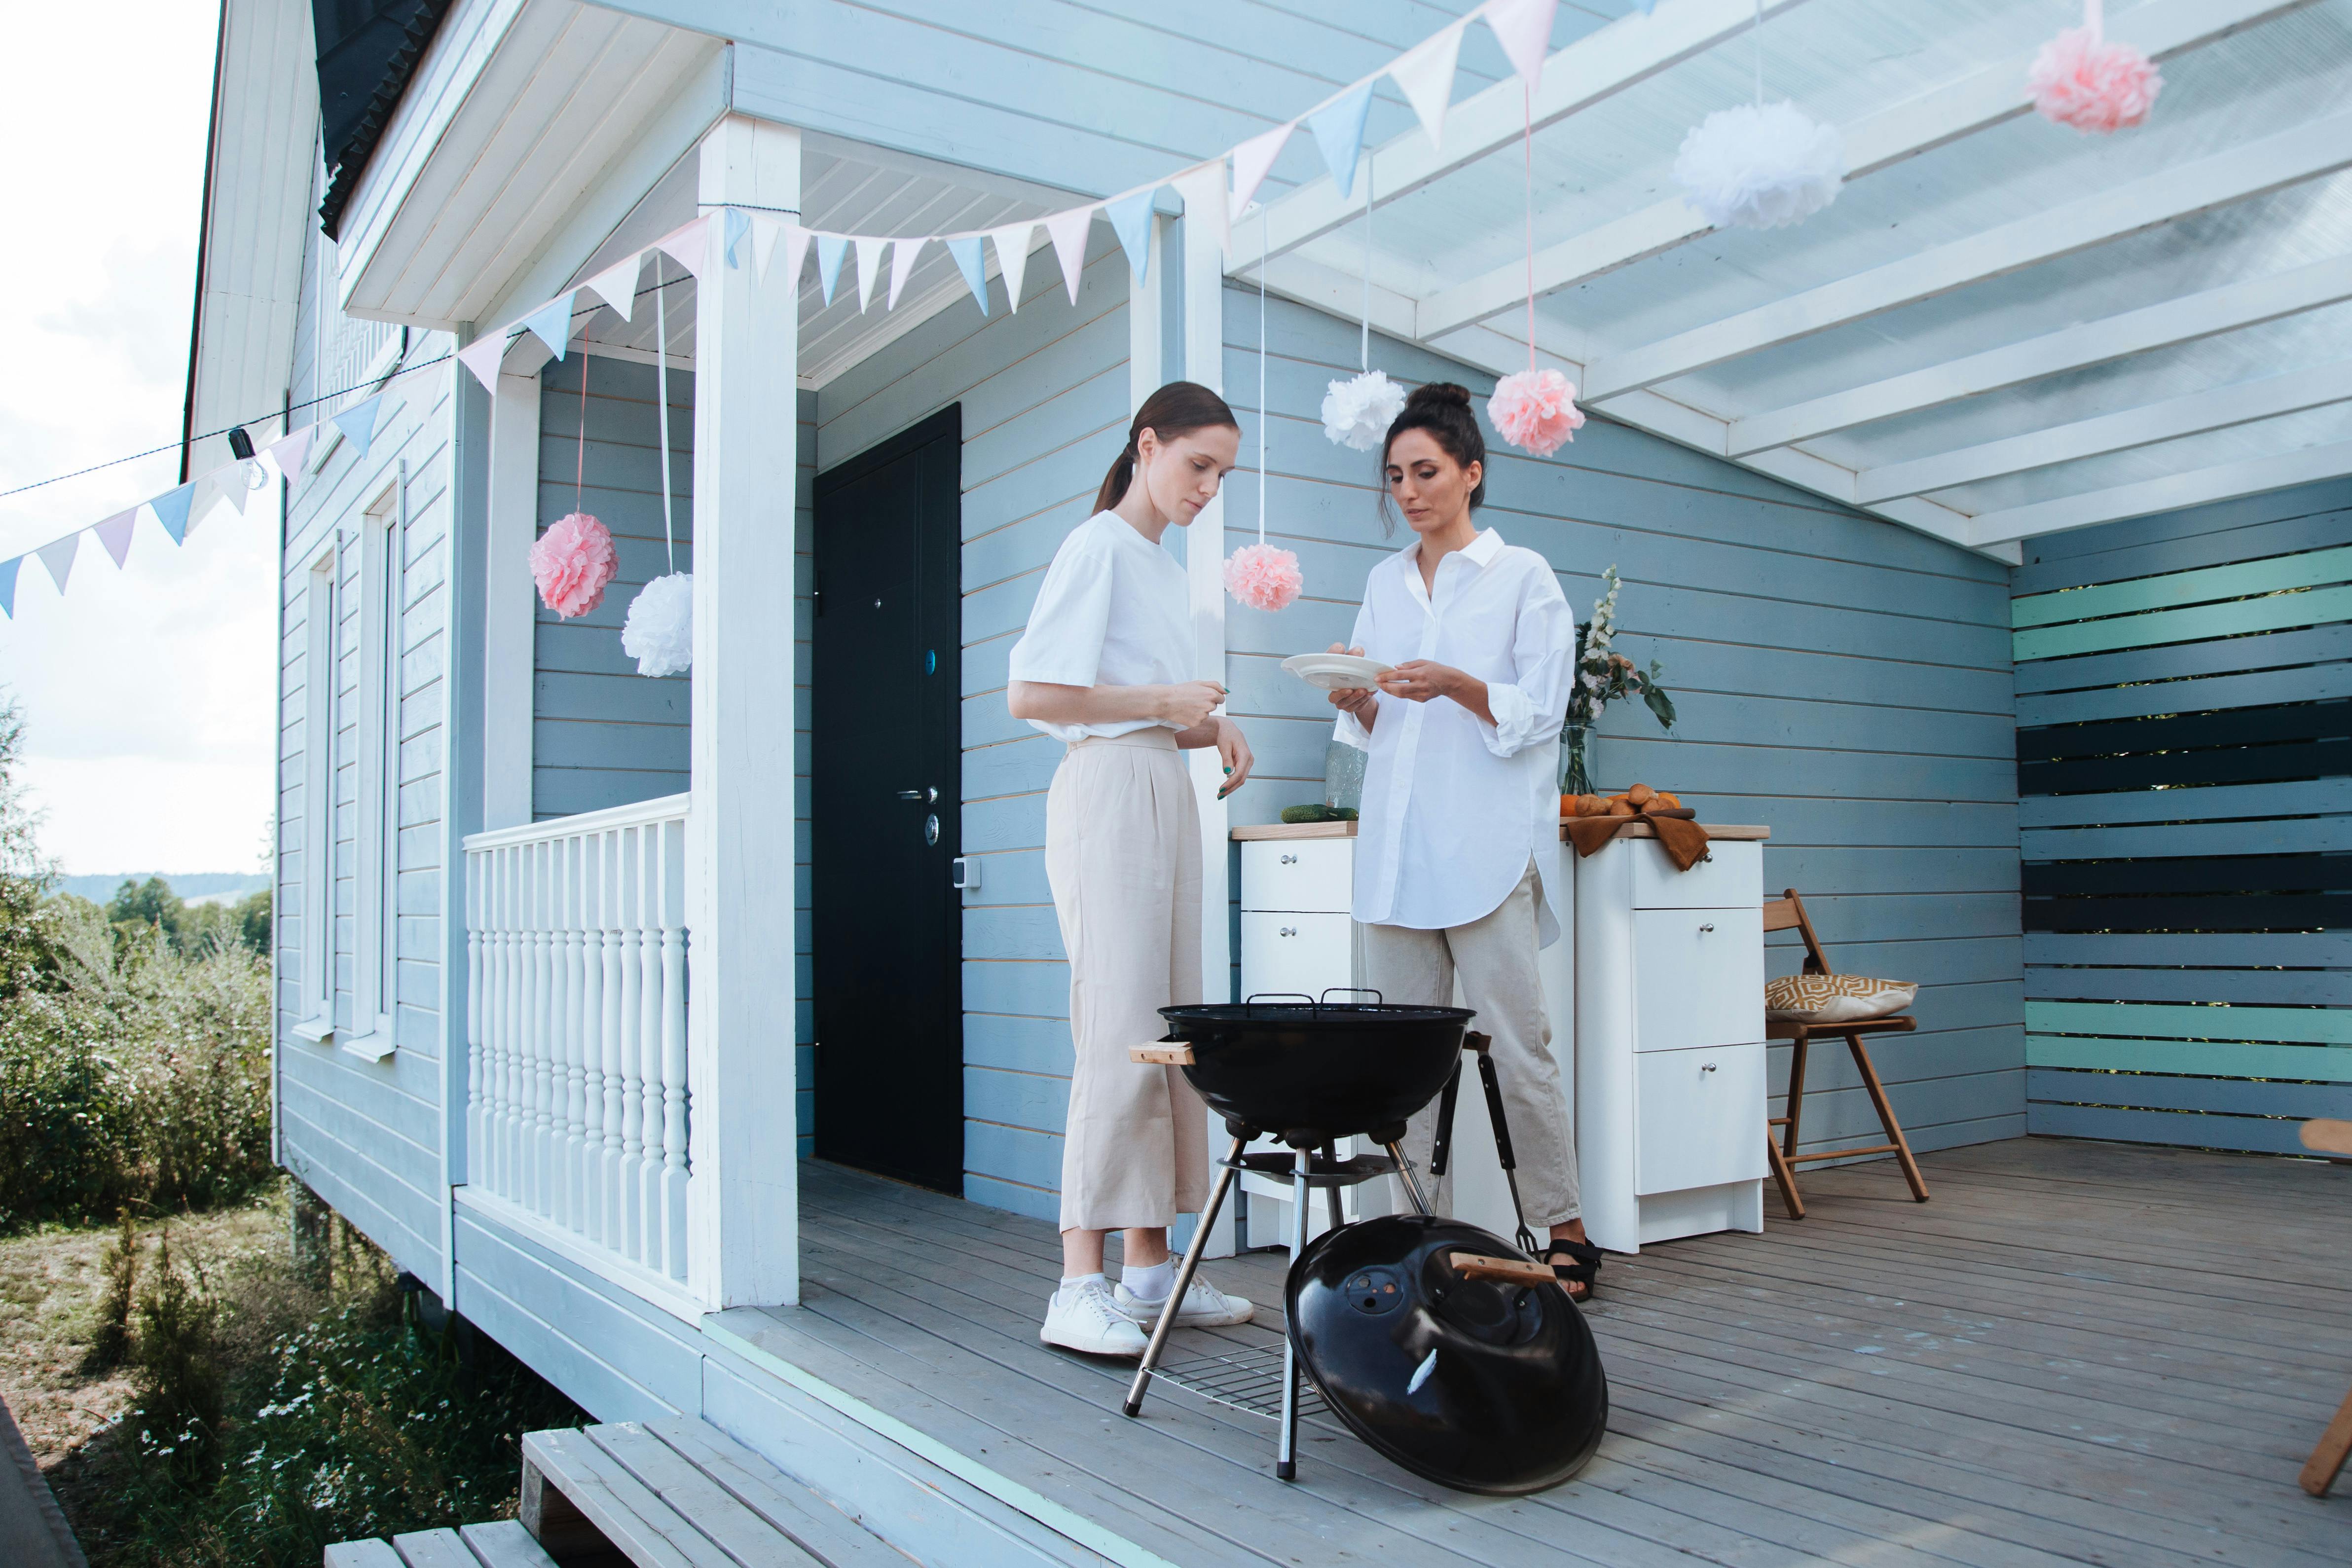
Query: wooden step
pixel 501 1544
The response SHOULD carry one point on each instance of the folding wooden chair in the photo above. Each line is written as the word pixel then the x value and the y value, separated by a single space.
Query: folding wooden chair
pixel 1783 914
pixel 2319 1472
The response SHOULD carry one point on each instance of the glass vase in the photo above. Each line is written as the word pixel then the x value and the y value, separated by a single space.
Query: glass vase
pixel 1577 779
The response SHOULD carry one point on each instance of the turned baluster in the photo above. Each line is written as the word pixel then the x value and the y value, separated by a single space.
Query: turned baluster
pixel 630 1228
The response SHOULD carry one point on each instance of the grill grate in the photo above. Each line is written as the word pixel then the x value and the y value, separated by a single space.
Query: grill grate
pixel 1244 1380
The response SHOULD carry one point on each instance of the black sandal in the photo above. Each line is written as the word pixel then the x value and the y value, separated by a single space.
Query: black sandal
pixel 1583 1267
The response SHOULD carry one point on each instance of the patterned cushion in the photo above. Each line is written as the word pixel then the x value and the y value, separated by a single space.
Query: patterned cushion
pixel 1833 999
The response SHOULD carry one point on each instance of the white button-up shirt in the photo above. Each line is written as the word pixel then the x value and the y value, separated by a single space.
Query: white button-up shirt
pixel 1455 807
pixel 1115 609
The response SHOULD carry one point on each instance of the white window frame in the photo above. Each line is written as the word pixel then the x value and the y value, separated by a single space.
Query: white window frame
pixel 383 533
pixel 316 983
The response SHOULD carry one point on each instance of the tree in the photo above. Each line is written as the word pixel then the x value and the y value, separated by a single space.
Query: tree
pixel 148 905
pixel 24 877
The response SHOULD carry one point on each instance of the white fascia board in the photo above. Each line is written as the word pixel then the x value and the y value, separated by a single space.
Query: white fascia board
pixel 2119 432
pixel 2200 486
pixel 1598 66
pixel 2268 163
pixel 2160 325
pixel 1983 98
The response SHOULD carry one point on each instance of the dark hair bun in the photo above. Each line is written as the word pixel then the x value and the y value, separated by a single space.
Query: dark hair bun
pixel 1438 394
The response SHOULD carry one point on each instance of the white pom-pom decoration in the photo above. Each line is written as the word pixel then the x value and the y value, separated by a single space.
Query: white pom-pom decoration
pixel 659 631
pixel 1358 412
pixel 1759 167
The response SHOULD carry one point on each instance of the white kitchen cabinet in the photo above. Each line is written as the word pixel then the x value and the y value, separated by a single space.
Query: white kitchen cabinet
pixel 1657 1000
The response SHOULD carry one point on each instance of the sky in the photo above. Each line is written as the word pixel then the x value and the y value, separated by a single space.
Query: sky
pixel 146 693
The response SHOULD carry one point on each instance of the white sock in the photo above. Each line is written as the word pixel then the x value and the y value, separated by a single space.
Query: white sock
pixel 1070 1282
pixel 1150 1284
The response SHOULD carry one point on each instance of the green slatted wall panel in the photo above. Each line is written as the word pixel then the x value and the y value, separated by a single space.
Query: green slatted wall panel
pixel 2184 746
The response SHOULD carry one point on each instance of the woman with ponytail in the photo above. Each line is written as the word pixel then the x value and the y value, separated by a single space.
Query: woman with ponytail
pixel 1458 849
pixel 1106 667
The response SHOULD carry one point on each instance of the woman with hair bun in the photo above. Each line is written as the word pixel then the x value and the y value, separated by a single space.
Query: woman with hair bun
pixel 1105 666
pixel 1457 850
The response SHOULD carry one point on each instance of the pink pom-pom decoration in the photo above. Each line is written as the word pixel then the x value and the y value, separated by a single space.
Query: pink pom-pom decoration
pixel 2092 86
pixel 1263 576
pixel 1535 410
pixel 571 562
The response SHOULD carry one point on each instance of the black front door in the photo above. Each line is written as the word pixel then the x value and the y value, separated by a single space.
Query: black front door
pixel 884 787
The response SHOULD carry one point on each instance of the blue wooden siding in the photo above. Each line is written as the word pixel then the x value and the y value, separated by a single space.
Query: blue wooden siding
pixel 602 735
pixel 367 1136
pixel 2185 762
pixel 1840 679
pixel 1044 398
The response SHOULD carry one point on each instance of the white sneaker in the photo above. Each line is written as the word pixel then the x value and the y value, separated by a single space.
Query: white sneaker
pixel 1205 1306
pixel 1083 1317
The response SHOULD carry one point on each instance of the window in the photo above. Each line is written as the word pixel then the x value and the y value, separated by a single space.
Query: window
pixel 315 989
pixel 382 535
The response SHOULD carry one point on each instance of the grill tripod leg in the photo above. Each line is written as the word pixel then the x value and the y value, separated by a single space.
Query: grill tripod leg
pixel 1285 1453
pixel 1184 1273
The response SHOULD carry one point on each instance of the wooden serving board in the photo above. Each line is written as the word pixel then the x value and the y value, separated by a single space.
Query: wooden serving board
pixel 1731 830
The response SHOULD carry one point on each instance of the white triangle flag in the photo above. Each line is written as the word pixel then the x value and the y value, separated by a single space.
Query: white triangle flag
pixel 57 555
pixel 1251 158
pixel 1524 29
pixel 765 230
pixel 1204 190
pixel 1424 74
pixel 904 254
pixel 1011 243
pixel 796 246
pixel 869 263
pixel 115 533
pixel 688 245
pixel 287 451
pixel 616 286
pixel 1069 233
pixel 482 355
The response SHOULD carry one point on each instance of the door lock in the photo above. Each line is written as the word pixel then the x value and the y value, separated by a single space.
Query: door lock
pixel 931 828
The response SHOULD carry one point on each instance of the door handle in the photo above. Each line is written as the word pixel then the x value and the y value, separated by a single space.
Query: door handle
pixel 928 797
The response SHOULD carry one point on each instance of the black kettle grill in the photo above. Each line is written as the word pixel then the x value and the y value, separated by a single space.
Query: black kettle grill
pixel 1443 1346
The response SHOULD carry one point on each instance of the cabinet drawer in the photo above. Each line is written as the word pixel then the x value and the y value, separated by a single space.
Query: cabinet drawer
pixel 1305 953
pixel 1698 1117
pixel 1303 875
pixel 1699 978
pixel 1731 877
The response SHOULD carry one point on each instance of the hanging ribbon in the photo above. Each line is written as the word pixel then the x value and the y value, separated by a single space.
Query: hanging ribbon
pixel 660 631
pixel 1262 576
pixel 1534 410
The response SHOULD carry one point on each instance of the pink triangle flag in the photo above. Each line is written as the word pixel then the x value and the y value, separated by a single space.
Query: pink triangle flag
pixel 289 450
pixel 482 355
pixel 1424 74
pixel 616 286
pixel 1069 233
pixel 1524 29
pixel 57 555
pixel 765 230
pixel 1253 158
pixel 796 248
pixel 904 254
pixel 1011 243
pixel 1204 190
pixel 115 533
pixel 869 267
pixel 688 245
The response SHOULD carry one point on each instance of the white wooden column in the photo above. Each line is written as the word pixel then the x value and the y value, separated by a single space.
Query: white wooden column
pixel 744 1218
pixel 510 604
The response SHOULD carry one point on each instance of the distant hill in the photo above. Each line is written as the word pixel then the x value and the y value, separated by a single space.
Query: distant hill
pixel 195 887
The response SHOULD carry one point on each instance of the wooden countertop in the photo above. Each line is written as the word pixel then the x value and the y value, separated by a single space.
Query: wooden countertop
pixel 1732 831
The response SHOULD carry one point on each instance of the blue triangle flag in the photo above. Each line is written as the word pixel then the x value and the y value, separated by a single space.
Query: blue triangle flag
pixel 358 422
pixel 1339 131
pixel 8 586
pixel 830 249
pixel 171 510
pixel 966 252
pixel 1131 219
pixel 551 322
pixel 738 225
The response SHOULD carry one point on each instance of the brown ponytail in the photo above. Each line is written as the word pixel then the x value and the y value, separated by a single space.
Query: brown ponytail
pixel 1177 409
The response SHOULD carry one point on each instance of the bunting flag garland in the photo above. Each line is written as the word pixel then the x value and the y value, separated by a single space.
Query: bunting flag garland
pixel 739 223
pixel 1069 233
pixel 358 422
pixel 830 249
pixel 171 510
pixel 1339 128
pixel 869 267
pixel 765 233
pixel 57 555
pixel 965 248
pixel 1251 158
pixel 796 248
pixel 482 355
pixel 1424 74
pixel 552 323
pixel 1012 244
pixel 8 585
pixel 904 254
pixel 1524 29
pixel 616 286
pixel 115 535
pixel 688 245
pixel 289 451
pixel 1131 219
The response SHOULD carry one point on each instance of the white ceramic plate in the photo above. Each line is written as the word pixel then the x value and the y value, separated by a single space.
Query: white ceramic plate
pixel 1335 672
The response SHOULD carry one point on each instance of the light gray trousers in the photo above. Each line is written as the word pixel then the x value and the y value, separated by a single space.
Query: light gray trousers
pixel 1496 958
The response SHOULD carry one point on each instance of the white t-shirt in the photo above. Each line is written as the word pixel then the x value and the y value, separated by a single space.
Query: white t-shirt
pixel 1115 609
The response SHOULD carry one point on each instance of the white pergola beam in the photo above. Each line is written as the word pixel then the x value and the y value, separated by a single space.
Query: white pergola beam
pixel 1629 50
pixel 1986 98
pixel 2201 486
pixel 2165 325
pixel 2119 432
pixel 2268 163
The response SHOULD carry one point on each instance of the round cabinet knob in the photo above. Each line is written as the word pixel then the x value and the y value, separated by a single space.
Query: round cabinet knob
pixel 1290 931
pixel 1707 1066
pixel 1706 928
pixel 1290 860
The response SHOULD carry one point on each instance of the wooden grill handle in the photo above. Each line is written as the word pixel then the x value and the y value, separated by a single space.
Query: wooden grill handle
pixel 1160 1055
pixel 1504 1271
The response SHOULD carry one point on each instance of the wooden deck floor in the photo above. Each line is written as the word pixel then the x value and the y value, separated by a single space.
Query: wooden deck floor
pixel 2077 1353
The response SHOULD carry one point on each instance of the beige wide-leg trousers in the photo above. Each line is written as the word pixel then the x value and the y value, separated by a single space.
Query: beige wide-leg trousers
pixel 1495 956
pixel 1123 856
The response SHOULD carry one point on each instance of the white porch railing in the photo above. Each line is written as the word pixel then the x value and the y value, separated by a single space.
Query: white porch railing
pixel 577 1109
